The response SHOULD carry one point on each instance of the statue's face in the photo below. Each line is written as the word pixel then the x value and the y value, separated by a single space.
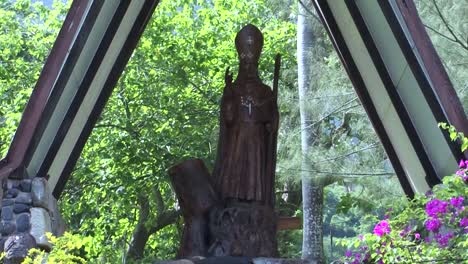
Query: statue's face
pixel 249 50
pixel 248 58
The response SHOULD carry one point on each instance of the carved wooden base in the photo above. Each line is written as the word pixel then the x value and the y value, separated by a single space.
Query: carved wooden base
pixel 220 228
pixel 243 229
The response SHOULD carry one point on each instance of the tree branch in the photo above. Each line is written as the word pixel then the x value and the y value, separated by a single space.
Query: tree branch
pixel 158 199
pixel 144 208
pixel 140 234
pixel 447 25
pixel 309 11
pixel 164 219
pixel 348 154
pixel 440 34
pixel 347 174
pixel 334 111
pixel 129 131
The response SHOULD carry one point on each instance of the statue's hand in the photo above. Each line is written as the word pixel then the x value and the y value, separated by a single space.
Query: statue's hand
pixel 228 77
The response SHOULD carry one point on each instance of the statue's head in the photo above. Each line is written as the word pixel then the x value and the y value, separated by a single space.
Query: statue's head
pixel 249 43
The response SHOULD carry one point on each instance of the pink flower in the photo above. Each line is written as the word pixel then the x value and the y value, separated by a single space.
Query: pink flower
pixel 382 228
pixel 461 164
pixel 443 240
pixel 436 207
pixel 417 236
pixel 348 253
pixel 433 225
pixel 457 202
pixel 464 222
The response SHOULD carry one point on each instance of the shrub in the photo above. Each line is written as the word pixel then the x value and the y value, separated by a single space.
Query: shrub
pixel 432 228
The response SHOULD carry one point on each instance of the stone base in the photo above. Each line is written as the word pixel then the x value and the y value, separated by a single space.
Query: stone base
pixel 234 260
pixel 243 229
pixel 28 211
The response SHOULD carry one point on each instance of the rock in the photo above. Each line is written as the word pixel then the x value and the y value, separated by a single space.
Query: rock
pixel 9 184
pixel 7 202
pixel 234 260
pixel 40 225
pixel 58 224
pixel 2 243
pixel 24 198
pixel 179 261
pixel 278 261
pixel 40 192
pixel 20 208
pixel 12 192
pixel 17 247
pixel 7 228
pixel 7 213
pixel 23 222
pixel 25 185
pixel 225 260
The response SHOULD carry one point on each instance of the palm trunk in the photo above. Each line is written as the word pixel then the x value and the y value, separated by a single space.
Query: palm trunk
pixel 312 242
pixel 312 193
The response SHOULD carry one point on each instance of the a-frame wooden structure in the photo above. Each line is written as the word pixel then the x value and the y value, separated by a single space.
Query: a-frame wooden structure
pixel 382 44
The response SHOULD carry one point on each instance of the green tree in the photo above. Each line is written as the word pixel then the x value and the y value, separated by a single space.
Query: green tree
pixel 28 32
pixel 445 22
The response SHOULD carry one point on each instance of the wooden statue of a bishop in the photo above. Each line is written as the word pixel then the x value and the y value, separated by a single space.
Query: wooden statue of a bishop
pixel 245 166
pixel 231 212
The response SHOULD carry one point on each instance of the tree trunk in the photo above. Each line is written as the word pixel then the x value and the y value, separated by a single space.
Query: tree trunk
pixel 312 193
pixel 137 244
pixel 312 242
pixel 144 228
pixel 140 234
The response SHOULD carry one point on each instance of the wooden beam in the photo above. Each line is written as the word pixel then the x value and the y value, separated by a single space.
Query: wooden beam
pixel 433 64
pixel 33 111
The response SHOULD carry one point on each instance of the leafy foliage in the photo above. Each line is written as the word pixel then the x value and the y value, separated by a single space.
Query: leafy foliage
pixel 27 32
pixel 66 249
pixel 431 228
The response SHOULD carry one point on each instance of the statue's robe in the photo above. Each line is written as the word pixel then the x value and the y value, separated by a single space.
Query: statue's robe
pixel 245 166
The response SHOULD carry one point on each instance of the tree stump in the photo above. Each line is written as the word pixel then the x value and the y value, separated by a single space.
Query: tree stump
pixel 196 195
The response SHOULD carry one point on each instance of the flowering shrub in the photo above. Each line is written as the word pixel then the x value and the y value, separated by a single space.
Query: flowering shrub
pixel 382 228
pixel 432 228
pixel 69 248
